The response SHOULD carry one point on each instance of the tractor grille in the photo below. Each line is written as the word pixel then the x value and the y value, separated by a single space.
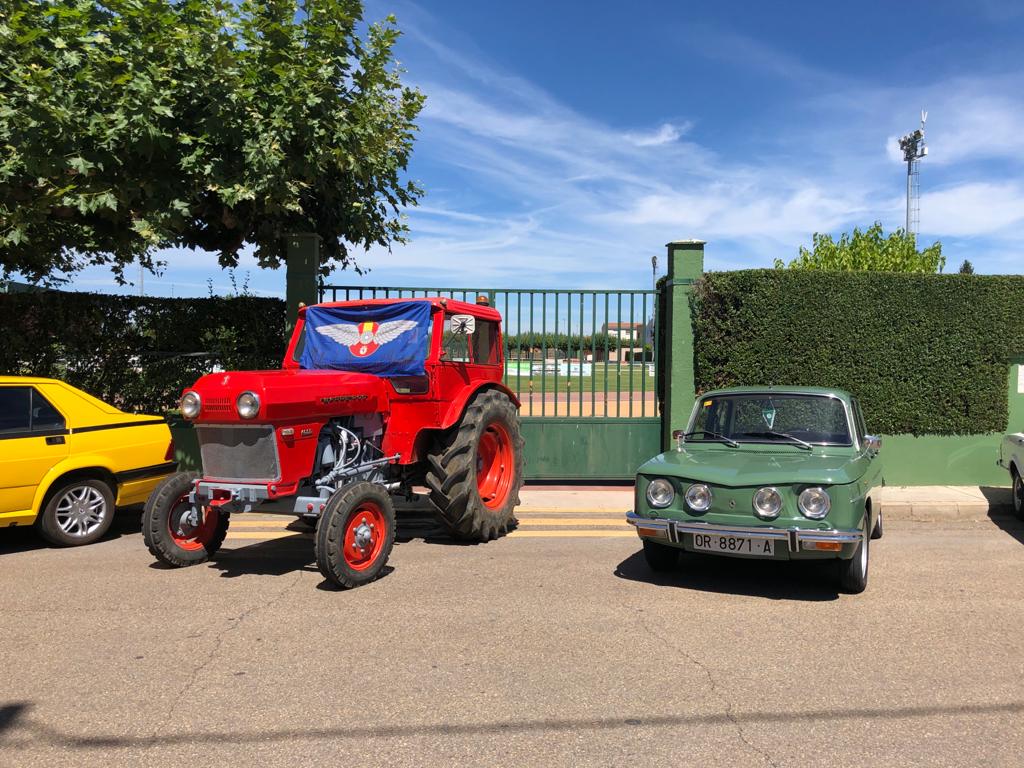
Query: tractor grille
pixel 238 453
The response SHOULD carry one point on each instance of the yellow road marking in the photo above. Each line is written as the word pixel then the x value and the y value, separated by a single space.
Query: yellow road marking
pixel 521 534
pixel 527 522
pixel 255 522
pixel 573 510
pixel 280 522
pixel 616 521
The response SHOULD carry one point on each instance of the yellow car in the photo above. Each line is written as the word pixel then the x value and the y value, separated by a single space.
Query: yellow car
pixel 67 459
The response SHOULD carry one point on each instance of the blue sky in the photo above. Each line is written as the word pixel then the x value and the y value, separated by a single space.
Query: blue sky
pixel 563 144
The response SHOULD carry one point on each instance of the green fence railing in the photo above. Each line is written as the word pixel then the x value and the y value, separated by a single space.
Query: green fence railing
pixel 568 353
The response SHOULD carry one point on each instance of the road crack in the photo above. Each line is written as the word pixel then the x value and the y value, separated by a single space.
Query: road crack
pixel 715 691
pixel 234 623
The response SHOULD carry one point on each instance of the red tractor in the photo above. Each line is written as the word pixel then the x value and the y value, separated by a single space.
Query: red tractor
pixel 374 397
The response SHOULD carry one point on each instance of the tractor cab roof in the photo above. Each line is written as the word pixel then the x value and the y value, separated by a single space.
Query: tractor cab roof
pixel 438 303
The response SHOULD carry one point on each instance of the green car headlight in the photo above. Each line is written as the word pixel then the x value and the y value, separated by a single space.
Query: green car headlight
pixel 767 503
pixel 815 503
pixel 660 493
pixel 698 497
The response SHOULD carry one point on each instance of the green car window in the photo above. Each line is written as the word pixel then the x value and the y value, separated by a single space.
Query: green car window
pixel 768 417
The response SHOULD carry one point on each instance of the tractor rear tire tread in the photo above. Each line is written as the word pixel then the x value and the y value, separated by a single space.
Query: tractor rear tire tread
pixel 451 471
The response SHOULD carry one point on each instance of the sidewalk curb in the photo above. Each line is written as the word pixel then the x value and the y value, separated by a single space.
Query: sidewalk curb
pixel 940 512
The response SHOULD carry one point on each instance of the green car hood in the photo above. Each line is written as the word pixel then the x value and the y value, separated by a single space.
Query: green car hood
pixel 742 466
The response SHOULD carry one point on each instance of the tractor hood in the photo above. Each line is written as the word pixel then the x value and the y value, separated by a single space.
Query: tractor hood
pixel 759 466
pixel 290 394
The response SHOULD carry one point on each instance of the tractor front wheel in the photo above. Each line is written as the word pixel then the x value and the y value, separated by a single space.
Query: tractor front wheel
pixel 475 472
pixel 355 534
pixel 176 533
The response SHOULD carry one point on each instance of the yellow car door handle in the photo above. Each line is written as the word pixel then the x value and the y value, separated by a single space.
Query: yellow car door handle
pixel 55 440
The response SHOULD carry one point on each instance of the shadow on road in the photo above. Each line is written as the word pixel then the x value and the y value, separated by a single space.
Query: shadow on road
pixel 9 714
pixel 127 522
pixel 275 557
pixel 774 580
pixel 1000 511
pixel 281 556
pixel 43 734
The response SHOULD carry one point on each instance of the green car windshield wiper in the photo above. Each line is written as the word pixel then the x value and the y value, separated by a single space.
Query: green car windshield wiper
pixel 784 436
pixel 717 435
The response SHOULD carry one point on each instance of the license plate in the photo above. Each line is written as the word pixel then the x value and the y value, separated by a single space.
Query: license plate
pixel 733 545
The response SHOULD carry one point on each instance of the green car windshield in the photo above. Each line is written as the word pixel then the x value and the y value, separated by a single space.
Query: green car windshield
pixel 771 418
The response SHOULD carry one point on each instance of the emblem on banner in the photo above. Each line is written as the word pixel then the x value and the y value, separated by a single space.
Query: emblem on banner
pixel 363 339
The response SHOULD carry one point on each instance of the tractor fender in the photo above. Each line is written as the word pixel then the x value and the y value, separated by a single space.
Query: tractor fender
pixel 458 405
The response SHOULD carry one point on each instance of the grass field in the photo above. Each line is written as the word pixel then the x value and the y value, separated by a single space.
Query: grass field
pixel 625 380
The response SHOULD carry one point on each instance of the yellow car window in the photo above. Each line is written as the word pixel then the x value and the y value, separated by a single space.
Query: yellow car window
pixel 15 410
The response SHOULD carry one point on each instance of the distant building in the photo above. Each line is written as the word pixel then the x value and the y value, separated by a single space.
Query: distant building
pixel 626 331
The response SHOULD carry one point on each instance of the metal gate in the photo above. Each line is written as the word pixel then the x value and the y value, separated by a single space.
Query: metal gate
pixel 584 365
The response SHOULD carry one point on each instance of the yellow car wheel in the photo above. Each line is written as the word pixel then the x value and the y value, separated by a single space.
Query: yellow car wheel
pixel 79 512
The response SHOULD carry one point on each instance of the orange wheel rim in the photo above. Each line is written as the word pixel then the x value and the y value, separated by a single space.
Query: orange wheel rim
pixel 495 466
pixel 365 532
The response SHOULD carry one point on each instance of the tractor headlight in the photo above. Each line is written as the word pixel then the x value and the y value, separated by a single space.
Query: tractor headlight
pixel 698 497
pixel 660 493
pixel 767 503
pixel 248 405
pixel 190 405
pixel 815 503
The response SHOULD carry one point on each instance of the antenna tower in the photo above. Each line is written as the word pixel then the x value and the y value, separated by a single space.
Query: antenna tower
pixel 914 149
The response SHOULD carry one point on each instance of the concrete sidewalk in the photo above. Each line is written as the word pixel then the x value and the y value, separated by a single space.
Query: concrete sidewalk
pixel 922 503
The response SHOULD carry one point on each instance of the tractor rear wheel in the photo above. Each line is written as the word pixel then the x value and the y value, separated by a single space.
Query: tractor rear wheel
pixel 476 469
pixel 176 534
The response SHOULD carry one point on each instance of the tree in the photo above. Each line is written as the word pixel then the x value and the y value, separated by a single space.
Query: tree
pixel 966 268
pixel 132 125
pixel 870 250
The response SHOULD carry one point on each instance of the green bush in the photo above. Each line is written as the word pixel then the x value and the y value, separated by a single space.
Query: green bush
pixel 133 352
pixel 926 354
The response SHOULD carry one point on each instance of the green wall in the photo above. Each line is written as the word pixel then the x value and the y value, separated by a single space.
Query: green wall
pixel 585 449
pixel 952 460
pixel 942 460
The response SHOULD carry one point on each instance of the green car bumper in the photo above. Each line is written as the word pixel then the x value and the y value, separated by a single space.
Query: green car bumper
pixel 788 543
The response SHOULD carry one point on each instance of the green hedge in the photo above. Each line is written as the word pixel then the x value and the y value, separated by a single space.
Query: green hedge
pixel 137 353
pixel 926 354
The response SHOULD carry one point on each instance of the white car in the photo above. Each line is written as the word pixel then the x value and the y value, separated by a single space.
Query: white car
pixel 1011 457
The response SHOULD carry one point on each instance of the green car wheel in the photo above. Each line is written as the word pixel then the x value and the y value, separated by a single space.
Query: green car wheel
pixel 660 557
pixel 853 573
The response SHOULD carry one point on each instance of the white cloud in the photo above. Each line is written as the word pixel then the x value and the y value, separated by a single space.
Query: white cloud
pixel 973 210
pixel 667 133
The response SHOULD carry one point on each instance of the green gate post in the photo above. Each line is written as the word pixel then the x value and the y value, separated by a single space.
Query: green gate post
pixel 685 264
pixel 303 257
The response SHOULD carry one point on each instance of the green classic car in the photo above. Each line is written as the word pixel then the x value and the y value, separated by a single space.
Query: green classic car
pixel 781 473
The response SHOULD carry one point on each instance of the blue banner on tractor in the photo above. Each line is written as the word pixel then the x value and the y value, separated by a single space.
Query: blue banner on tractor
pixel 389 340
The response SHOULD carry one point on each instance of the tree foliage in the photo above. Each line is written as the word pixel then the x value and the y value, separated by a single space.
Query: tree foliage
pixel 567 344
pixel 868 251
pixel 132 125
pixel 137 353
pixel 966 268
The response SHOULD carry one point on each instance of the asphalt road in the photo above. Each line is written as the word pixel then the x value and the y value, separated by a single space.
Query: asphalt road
pixel 554 646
